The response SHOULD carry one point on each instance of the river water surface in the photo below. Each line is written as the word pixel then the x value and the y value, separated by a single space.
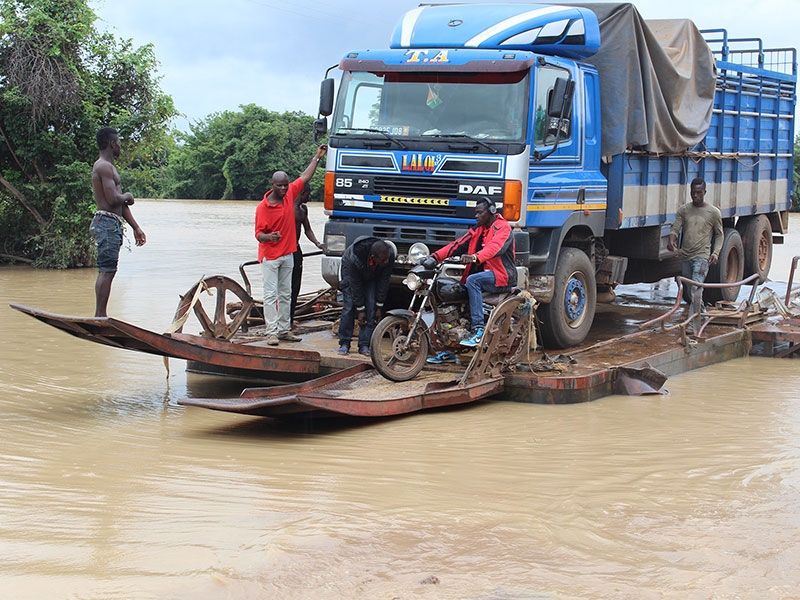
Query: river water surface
pixel 111 490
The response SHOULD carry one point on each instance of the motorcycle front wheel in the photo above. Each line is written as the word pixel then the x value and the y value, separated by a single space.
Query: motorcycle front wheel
pixel 393 354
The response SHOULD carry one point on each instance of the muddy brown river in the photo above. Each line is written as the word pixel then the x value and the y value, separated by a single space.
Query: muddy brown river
pixel 111 490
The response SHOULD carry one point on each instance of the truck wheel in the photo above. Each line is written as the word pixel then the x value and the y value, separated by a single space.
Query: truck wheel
pixel 756 235
pixel 728 269
pixel 567 319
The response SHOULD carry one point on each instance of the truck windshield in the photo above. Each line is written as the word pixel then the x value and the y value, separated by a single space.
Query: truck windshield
pixel 483 106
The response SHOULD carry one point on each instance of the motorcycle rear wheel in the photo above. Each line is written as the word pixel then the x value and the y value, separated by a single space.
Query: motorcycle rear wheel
pixel 393 354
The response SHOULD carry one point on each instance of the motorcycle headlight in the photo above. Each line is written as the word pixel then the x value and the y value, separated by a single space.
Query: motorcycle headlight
pixel 412 281
pixel 417 252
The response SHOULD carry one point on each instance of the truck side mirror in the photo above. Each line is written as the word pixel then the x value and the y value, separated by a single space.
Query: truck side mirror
pixel 559 108
pixel 326 97
pixel 320 128
pixel 560 101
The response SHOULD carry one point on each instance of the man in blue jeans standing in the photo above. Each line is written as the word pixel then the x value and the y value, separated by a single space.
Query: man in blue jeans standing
pixel 366 269
pixel 113 205
pixel 700 222
pixel 488 252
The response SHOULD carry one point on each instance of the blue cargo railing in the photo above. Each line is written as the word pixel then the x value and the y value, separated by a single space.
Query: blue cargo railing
pixel 779 60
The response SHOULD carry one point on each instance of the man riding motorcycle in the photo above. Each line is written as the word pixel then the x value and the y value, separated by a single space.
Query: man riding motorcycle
pixel 488 251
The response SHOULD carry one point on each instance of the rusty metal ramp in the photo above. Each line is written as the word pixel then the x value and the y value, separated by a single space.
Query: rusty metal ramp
pixel 119 334
pixel 356 391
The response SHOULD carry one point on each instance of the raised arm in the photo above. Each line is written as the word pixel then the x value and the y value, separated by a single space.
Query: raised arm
pixel 312 166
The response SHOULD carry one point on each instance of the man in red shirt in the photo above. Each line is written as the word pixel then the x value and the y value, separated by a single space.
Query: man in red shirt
pixel 275 232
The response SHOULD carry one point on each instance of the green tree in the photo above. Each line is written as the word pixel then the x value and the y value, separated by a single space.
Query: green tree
pixel 795 191
pixel 232 154
pixel 62 80
pixel 145 174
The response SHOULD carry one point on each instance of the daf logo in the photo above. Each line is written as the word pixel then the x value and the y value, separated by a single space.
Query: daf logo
pixel 455 22
pixel 481 190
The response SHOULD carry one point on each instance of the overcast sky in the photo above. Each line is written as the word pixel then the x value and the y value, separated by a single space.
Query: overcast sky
pixel 216 55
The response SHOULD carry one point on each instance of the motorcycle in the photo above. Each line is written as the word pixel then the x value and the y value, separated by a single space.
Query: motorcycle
pixel 438 318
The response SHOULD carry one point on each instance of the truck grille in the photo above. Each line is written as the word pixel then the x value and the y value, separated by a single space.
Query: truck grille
pixel 423 210
pixel 405 236
pixel 425 187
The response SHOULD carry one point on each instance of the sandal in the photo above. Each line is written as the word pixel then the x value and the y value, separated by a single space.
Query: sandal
pixel 343 350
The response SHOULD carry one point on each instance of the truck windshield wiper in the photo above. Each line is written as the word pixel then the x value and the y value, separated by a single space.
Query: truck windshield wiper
pixel 466 137
pixel 383 133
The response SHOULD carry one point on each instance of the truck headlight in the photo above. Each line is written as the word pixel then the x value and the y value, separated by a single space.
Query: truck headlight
pixel 417 252
pixel 393 247
pixel 335 244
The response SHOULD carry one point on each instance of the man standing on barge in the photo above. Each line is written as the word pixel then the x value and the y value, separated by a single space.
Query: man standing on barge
pixel 700 223
pixel 366 268
pixel 275 232
pixel 302 223
pixel 112 206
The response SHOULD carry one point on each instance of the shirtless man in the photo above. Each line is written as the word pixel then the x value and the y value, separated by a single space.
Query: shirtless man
pixel 112 206
pixel 301 223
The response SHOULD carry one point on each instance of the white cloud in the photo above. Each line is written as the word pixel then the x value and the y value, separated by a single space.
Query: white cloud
pixel 216 55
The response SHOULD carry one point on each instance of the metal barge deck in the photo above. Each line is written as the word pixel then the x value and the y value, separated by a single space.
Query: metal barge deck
pixel 636 344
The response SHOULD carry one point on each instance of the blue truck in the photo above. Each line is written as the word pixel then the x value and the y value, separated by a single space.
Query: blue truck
pixel 583 122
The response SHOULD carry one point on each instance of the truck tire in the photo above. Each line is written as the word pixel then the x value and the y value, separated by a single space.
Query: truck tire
pixel 567 319
pixel 756 235
pixel 728 269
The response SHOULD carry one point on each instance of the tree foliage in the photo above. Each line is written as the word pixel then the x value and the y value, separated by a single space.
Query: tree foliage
pixel 795 191
pixel 232 155
pixel 60 80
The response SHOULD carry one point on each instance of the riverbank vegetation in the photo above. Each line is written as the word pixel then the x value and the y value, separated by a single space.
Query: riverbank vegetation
pixel 232 156
pixel 61 79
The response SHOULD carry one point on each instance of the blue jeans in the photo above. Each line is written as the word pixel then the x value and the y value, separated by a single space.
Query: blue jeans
pixel 107 232
pixel 348 318
pixel 476 284
pixel 695 269
pixel 277 280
